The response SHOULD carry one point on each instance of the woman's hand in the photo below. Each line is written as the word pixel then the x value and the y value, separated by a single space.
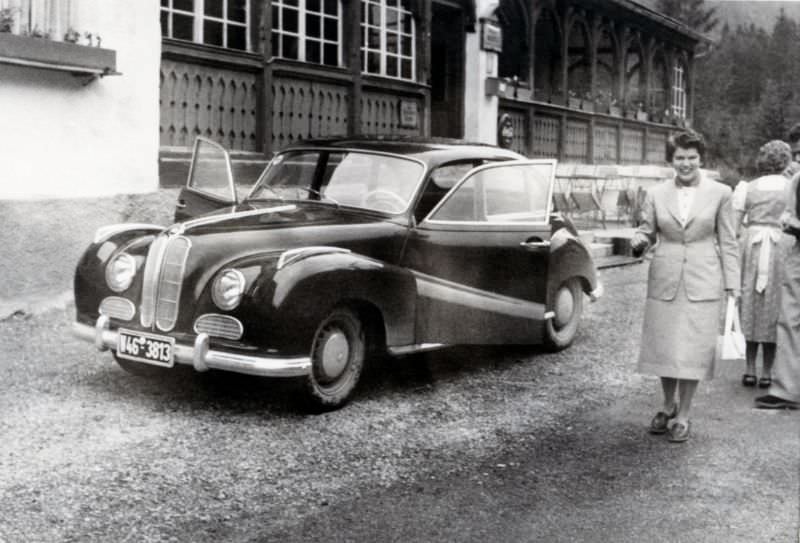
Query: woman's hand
pixel 639 244
pixel 734 293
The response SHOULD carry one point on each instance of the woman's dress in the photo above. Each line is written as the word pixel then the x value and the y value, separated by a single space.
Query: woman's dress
pixel 763 250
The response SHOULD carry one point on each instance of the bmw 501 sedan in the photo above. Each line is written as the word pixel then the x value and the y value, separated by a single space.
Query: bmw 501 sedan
pixel 342 250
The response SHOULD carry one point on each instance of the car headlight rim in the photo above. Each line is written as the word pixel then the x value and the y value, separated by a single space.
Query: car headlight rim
pixel 228 289
pixel 120 272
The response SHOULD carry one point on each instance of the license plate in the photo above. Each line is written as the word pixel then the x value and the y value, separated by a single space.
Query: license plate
pixel 148 348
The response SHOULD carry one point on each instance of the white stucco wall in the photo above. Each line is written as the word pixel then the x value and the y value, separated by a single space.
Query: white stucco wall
pixel 62 137
pixel 480 111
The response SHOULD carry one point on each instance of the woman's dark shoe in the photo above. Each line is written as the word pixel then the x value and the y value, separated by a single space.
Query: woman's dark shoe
pixel 748 380
pixel 773 402
pixel 764 382
pixel 659 423
pixel 679 432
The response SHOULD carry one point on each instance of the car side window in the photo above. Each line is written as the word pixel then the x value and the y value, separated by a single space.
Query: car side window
pixel 211 172
pixel 501 194
pixel 441 180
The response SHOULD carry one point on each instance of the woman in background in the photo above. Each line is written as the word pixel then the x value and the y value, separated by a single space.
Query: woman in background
pixel 695 258
pixel 785 389
pixel 762 203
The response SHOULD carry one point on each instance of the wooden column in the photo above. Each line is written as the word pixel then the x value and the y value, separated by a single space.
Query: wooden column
pixel 351 36
pixel 424 65
pixel 264 101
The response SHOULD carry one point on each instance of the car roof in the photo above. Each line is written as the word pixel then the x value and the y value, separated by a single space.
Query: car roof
pixel 432 151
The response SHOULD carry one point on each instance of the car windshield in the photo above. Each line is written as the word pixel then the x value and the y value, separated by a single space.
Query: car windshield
pixel 352 178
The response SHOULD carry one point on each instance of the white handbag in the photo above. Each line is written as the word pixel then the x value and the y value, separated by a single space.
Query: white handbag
pixel 731 343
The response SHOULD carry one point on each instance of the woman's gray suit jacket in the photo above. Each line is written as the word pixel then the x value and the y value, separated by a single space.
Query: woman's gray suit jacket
pixel 703 251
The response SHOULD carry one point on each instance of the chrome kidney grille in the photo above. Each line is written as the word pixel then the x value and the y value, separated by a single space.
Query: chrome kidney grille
pixel 163 277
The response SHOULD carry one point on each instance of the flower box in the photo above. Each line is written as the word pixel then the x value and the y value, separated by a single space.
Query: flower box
pixel 574 103
pixel 55 55
pixel 641 116
pixel 616 111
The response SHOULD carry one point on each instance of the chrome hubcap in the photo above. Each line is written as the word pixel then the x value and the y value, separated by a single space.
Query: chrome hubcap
pixel 335 354
pixel 564 307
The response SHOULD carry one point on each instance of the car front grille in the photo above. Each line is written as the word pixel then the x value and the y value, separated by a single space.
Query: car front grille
pixel 216 325
pixel 117 308
pixel 163 277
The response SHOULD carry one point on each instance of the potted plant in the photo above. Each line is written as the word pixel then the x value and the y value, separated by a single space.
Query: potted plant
pixel 587 104
pixel 614 108
pixel 7 19
pixel 573 100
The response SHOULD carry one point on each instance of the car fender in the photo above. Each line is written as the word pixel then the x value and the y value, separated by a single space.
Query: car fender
pixel 302 292
pixel 569 257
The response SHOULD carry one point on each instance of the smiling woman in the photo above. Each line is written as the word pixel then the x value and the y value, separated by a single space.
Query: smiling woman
pixel 690 222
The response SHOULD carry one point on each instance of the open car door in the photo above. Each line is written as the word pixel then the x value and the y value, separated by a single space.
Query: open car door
pixel 480 257
pixel 210 184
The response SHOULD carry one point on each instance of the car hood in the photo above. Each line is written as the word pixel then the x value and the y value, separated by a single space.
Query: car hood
pixel 250 229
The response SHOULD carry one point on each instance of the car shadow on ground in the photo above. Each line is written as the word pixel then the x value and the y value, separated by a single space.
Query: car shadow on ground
pixel 182 388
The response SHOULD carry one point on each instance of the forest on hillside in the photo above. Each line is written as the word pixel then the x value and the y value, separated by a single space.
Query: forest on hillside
pixel 747 92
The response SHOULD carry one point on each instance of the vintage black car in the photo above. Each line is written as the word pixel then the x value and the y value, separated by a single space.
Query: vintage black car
pixel 342 250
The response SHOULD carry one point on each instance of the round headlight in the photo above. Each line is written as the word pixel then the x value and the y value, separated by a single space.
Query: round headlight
pixel 120 272
pixel 228 289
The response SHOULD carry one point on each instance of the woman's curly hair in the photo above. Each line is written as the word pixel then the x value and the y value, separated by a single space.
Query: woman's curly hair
pixel 773 157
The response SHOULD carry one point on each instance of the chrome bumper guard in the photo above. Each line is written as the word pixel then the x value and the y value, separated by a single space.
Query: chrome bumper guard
pixel 200 356
pixel 597 293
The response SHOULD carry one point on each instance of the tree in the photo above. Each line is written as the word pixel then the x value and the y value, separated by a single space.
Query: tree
pixel 693 13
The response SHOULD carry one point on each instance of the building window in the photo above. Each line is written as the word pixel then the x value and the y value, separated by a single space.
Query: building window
pixel 679 91
pixel 307 30
pixel 224 23
pixel 388 46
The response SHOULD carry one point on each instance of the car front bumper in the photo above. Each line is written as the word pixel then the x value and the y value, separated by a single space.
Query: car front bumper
pixel 200 356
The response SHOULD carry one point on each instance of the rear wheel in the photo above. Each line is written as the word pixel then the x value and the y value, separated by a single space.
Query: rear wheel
pixel 337 359
pixel 138 368
pixel 560 331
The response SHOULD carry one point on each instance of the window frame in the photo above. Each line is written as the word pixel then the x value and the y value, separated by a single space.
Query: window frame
pixel 384 31
pixel 679 90
pixel 302 35
pixel 495 224
pixel 199 17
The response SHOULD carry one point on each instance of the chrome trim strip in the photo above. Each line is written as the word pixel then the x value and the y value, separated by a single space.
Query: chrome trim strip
pixel 205 221
pixel 416 348
pixel 287 257
pixel 462 295
pixel 105 232
pixel 202 358
pixel 549 315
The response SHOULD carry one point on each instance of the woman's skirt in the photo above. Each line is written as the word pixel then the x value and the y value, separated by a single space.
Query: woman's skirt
pixel 679 337
pixel 759 310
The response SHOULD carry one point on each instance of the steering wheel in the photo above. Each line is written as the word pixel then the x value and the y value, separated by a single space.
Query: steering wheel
pixel 383 200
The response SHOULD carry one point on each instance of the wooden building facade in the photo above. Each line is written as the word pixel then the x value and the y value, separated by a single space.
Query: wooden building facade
pixel 582 80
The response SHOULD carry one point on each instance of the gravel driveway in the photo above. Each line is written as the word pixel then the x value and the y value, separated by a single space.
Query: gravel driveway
pixel 90 453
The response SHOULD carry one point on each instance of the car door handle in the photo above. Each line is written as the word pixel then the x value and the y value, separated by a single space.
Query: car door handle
pixel 180 204
pixel 535 244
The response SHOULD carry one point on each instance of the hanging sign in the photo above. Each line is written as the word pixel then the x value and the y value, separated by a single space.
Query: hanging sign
pixel 409 114
pixel 491 37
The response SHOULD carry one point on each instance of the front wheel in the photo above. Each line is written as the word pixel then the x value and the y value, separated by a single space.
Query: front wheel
pixel 560 331
pixel 337 359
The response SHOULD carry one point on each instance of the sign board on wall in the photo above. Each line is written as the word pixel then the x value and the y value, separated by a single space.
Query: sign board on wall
pixel 491 37
pixel 409 114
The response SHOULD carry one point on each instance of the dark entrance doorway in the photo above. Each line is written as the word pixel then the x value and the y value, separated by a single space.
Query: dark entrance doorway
pixel 447 71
